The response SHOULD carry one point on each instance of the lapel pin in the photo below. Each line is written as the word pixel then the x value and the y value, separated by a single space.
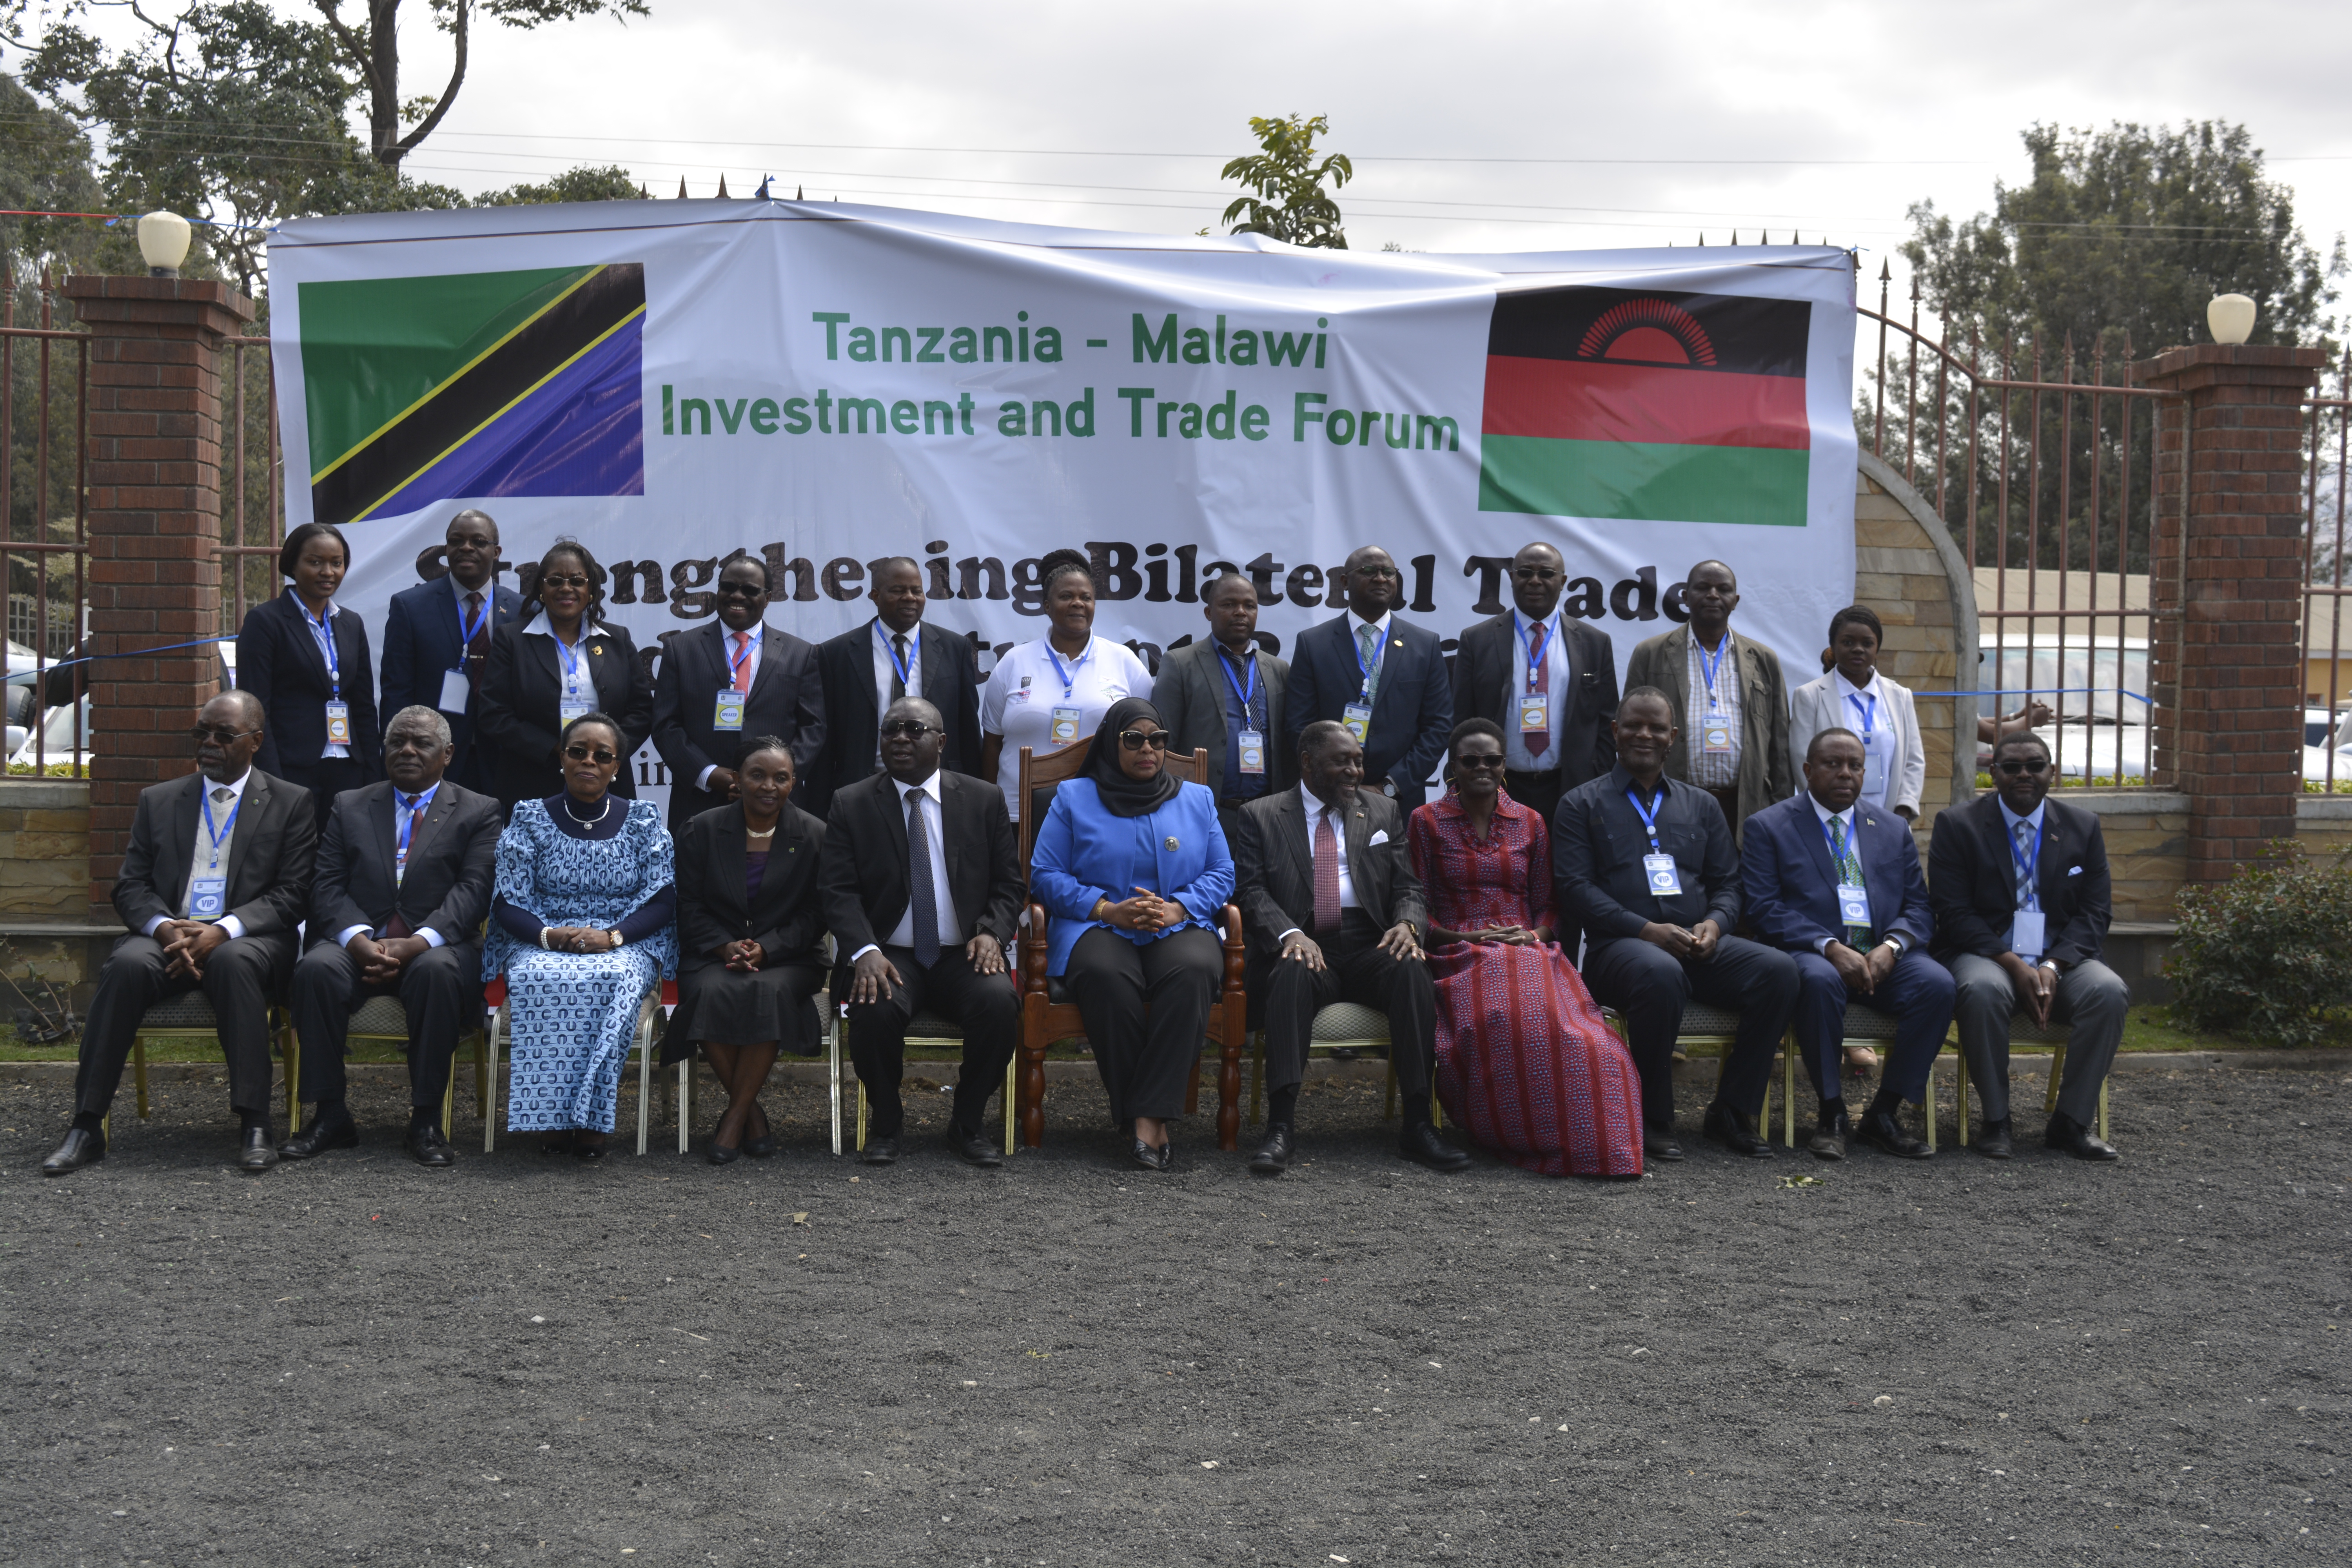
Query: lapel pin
pixel 596 649
pixel 1170 841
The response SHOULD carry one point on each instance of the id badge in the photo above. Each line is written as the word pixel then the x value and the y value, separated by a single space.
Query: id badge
pixel 1877 755
pixel 2026 937
pixel 729 713
pixel 207 897
pixel 1854 905
pixel 1666 880
pixel 1534 712
pixel 456 690
pixel 1253 751
pixel 572 708
pixel 338 723
pixel 1715 735
pixel 1066 726
pixel 1355 717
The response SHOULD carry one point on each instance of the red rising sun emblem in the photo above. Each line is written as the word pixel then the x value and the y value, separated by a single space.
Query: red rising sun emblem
pixel 1648 330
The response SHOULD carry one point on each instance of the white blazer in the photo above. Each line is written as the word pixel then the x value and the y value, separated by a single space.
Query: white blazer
pixel 1820 705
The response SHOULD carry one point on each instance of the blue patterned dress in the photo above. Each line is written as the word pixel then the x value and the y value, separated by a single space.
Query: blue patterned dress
pixel 572 1015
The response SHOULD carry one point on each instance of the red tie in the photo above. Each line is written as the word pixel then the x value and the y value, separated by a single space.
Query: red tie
pixel 1326 875
pixel 1539 742
pixel 742 662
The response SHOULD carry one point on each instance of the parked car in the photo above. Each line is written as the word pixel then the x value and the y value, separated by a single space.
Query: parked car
pixel 63 725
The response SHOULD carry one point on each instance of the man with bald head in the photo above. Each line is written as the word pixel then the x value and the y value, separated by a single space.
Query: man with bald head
pixel 1730 700
pixel 1380 677
pixel 437 636
pixel 216 880
pixel 1549 680
pixel 898 652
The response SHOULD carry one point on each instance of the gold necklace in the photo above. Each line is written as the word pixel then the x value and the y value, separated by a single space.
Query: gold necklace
pixel 750 832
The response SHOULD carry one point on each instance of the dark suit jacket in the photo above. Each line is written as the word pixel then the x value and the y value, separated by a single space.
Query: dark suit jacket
pixel 845 666
pixel 785 701
pixel 278 661
pixel 1972 882
pixel 452 864
pixel 787 918
pixel 1191 693
pixel 1598 840
pixel 863 877
pixel 1486 688
pixel 422 642
pixel 1765 774
pixel 271 854
pixel 1275 869
pixel 1413 709
pixel 1791 884
pixel 519 708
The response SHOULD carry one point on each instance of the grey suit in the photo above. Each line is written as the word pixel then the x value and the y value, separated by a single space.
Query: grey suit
pixel 1765 774
pixel 1275 875
pixel 1195 700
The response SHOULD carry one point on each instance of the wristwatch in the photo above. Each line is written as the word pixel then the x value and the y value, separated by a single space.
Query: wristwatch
pixel 618 939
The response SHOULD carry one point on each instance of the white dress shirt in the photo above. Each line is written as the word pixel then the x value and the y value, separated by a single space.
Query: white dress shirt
pixel 1355 625
pixel 322 637
pixel 950 931
pixel 1824 816
pixel 885 672
pixel 1515 744
pixel 751 673
pixel 424 804
pixel 200 850
pixel 1316 812
pixel 2009 821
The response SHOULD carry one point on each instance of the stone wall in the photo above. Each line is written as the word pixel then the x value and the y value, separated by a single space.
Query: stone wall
pixel 44 850
pixel 1908 570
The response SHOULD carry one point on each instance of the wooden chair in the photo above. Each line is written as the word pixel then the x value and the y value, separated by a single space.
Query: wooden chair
pixel 382 1020
pixel 1048 1014
pixel 644 1045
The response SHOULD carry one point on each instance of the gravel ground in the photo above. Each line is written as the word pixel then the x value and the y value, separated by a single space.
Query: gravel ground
pixel 1065 1362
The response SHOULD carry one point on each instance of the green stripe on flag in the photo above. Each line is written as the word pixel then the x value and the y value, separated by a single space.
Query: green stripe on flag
pixel 1643 481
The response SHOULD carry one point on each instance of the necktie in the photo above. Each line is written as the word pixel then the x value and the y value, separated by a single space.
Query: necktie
pixel 2025 889
pixel 223 795
pixel 1849 871
pixel 408 804
pixel 1368 639
pixel 922 897
pixel 1326 875
pixel 897 681
pixel 742 661
pixel 478 648
pixel 1539 742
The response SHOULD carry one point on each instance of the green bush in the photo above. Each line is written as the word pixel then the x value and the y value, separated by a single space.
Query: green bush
pixel 2269 953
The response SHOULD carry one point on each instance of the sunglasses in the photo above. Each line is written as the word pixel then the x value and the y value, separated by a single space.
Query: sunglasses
pixel 1479 762
pixel 1136 740
pixel 221 732
pixel 574 582
pixel 2016 765
pixel 1379 574
pixel 590 754
pixel 911 729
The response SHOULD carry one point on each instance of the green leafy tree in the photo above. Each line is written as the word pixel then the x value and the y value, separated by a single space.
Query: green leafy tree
pixel 1289 203
pixel 606 183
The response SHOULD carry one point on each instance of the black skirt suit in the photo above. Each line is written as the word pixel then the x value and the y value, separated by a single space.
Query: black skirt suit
pixel 771 1003
pixel 520 718
pixel 278 661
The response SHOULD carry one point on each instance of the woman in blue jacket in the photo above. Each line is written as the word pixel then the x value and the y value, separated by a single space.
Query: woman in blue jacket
pixel 1133 870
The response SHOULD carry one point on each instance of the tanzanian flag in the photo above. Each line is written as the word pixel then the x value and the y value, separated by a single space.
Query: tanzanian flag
pixel 473 385
pixel 1650 406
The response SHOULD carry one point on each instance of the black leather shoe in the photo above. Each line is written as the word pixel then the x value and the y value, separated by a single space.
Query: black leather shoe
pixel 1882 1129
pixel 556 1142
pixel 1660 1147
pixel 974 1148
pixel 1992 1139
pixel 341 1133
pixel 2078 1139
pixel 257 1152
pixel 428 1147
pixel 1273 1155
pixel 582 1149
pixel 1422 1144
pixel 762 1146
pixel 1736 1132
pixel 1830 1134
pixel 1145 1156
pixel 721 1154
pixel 880 1152
pixel 80 1148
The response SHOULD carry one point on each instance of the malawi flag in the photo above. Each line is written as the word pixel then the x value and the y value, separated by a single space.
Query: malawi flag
pixel 473 386
pixel 1651 406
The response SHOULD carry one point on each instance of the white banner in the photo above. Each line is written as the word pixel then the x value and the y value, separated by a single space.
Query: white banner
pixel 828 386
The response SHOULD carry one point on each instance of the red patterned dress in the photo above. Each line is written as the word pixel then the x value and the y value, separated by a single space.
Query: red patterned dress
pixel 1524 1061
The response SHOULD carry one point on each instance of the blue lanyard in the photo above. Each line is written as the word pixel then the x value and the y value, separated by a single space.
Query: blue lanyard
pixel 1707 662
pixel 227 827
pixel 1065 673
pixel 1852 839
pixel 467 634
pixel 1356 647
pixel 736 660
pixel 914 651
pixel 571 661
pixel 323 633
pixel 2027 863
pixel 1650 814
pixel 1244 693
pixel 1870 714
pixel 408 815
pixel 1537 637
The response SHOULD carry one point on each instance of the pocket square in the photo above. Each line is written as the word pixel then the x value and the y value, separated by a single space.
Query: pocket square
pixel 1377 839
pixel 2074 870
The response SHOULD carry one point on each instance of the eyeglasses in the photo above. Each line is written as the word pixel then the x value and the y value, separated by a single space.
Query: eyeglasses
pixel 221 732
pixel 590 754
pixel 1377 572
pixel 911 729
pixel 2016 765
pixel 574 581
pixel 1136 740
pixel 1479 760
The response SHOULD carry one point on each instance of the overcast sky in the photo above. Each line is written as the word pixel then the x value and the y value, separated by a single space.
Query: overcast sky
pixel 1629 124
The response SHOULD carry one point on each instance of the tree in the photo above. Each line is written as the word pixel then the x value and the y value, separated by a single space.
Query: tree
pixel 608 183
pixel 2125 232
pixel 1290 203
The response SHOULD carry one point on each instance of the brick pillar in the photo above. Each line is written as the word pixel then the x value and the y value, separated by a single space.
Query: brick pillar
pixel 154 434
pixel 2227 574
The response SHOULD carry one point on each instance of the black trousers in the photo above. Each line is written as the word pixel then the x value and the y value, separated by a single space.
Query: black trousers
pixel 987 1006
pixel 1650 986
pixel 325 778
pixel 1355 970
pixel 441 991
pixel 239 978
pixel 1146 1007
pixel 1540 793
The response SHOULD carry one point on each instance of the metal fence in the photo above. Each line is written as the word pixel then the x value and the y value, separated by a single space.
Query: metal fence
pixel 2041 462
pixel 2326 650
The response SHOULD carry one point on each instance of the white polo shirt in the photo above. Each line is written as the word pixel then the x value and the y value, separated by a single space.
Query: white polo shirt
pixel 1032 679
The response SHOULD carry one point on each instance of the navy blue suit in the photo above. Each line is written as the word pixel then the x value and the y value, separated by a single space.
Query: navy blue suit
pixel 1791 885
pixel 278 661
pixel 422 642
pixel 1412 707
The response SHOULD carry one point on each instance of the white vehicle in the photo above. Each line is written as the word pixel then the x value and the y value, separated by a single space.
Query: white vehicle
pixel 58 733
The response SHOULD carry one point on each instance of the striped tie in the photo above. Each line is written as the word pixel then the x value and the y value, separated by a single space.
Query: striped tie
pixel 2026 892
pixel 1849 871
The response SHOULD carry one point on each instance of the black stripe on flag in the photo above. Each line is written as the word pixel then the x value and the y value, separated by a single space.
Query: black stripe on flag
pixel 1758 337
